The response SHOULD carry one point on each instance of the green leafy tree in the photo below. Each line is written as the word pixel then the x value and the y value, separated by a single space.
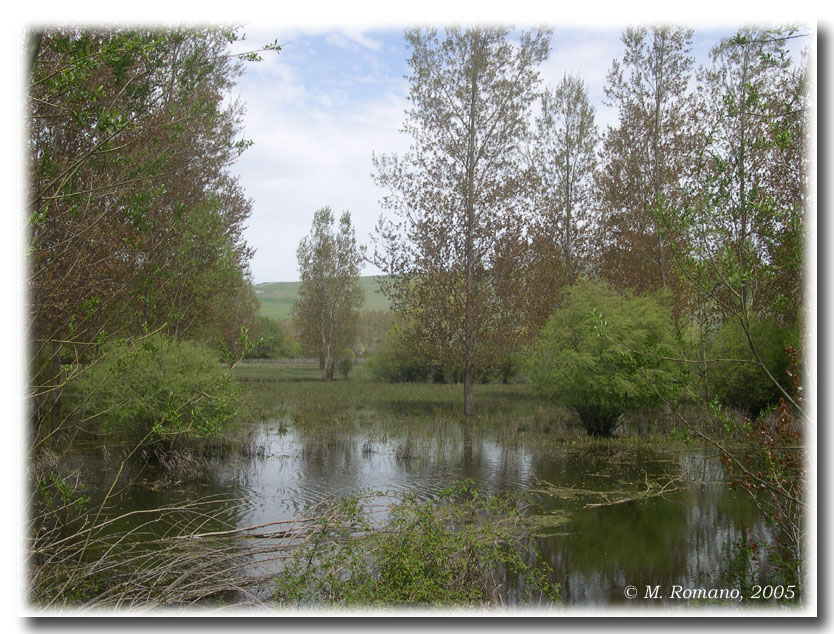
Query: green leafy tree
pixel 396 361
pixel 734 375
pixel 743 223
pixel 602 355
pixel 273 341
pixel 325 316
pixel 135 223
pixel 747 216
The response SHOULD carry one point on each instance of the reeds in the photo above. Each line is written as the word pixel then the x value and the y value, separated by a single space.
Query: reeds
pixel 178 555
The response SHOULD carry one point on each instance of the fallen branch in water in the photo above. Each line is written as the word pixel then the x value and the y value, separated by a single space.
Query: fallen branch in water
pixel 648 493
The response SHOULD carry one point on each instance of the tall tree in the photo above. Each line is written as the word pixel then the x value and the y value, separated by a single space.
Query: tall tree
pixel 742 228
pixel 750 207
pixel 457 194
pixel 741 245
pixel 325 315
pixel 645 156
pixel 135 222
pixel 563 159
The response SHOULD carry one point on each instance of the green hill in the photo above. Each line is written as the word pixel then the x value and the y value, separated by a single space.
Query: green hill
pixel 277 297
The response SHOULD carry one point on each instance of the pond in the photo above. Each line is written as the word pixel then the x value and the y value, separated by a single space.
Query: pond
pixel 601 521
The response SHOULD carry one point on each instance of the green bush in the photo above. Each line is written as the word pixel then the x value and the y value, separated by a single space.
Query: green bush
pixel 157 389
pixel 394 361
pixel 508 367
pixel 440 552
pixel 273 342
pixel 345 364
pixel 599 355
pixel 744 385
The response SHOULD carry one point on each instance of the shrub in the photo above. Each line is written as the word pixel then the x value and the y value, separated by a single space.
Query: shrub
pixel 599 355
pixel 439 552
pixel 345 364
pixel 746 385
pixel 507 367
pixel 273 342
pixel 396 362
pixel 157 389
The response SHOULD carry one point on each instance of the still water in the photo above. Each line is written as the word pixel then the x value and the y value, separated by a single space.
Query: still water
pixel 597 548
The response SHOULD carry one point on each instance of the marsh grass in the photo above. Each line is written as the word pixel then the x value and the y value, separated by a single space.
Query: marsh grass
pixel 296 389
pixel 369 412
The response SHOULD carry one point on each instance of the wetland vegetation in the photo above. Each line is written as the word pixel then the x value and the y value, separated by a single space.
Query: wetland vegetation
pixel 585 379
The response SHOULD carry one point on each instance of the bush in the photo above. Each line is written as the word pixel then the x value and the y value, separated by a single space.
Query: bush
pixel 157 389
pixel 440 552
pixel 745 385
pixel 273 341
pixel 345 364
pixel 396 362
pixel 507 367
pixel 599 355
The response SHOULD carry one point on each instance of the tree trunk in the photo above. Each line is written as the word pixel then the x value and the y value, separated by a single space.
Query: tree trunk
pixel 469 326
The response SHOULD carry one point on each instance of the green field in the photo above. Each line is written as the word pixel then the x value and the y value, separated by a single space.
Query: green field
pixel 277 298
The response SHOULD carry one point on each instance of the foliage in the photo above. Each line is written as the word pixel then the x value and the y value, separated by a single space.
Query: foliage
pixel 601 354
pixel 157 390
pixel 273 341
pixel 58 508
pixel 771 471
pixel 458 194
pixel 346 360
pixel 325 315
pixel 563 158
pixel 442 552
pixel 373 327
pixel 508 367
pixel 646 157
pixel 135 222
pixel 395 361
pixel 739 381
pixel 743 226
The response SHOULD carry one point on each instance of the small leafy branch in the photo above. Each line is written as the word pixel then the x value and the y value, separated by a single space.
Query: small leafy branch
pixel 771 472
pixel 445 551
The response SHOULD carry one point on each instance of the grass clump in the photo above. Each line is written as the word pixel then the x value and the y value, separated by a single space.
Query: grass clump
pixel 442 552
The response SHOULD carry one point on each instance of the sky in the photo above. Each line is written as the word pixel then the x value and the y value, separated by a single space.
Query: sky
pixel 319 110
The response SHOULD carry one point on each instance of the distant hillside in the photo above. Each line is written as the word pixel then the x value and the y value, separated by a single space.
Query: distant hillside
pixel 277 297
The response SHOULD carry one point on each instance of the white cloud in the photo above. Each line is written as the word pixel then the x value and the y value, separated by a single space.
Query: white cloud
pixel 311 150
pixel 352 40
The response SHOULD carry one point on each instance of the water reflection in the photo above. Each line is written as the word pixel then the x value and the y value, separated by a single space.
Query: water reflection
pixel 679 538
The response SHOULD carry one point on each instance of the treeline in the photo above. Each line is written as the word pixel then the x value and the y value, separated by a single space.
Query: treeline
pixel 512 200
pixel 135 222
